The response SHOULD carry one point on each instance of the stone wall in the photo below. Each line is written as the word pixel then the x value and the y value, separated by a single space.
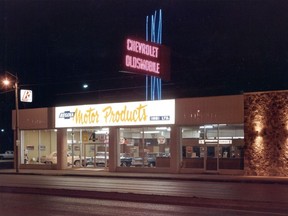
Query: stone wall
pixel 266 133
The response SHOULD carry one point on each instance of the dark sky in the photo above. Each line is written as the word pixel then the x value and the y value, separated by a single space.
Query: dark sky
pixel 217 47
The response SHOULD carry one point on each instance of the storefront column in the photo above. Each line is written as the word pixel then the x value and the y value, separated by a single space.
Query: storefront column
pixel 113 149
pixel 175 149
pixel 61 149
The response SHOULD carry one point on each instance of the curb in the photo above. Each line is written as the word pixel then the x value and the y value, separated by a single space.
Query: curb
pixel 172 177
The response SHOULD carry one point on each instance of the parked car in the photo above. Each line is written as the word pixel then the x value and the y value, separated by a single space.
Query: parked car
pixel 52 159
pixel 125 160
pixel 7 155
pixel 151 160
pixel 101 159
pixel 137 161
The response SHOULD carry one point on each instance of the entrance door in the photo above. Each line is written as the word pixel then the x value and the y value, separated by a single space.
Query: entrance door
pixel 211 158
pixel 96 155
pixel 209 138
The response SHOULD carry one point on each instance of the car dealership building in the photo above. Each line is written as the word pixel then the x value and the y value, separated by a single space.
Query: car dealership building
pixel 237 134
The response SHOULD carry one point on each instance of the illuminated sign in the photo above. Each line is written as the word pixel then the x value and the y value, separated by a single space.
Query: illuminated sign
pixel 146 58
pixel 116 114
pixel 26 95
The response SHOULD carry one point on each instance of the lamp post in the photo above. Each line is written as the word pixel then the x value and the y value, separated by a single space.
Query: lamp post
pixel 17 141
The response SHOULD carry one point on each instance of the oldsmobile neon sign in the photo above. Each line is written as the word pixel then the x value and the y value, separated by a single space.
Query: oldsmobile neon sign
pixel 146 58
pixel 116 114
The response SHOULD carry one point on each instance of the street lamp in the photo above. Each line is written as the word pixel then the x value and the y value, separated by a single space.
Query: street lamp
pixel 7 82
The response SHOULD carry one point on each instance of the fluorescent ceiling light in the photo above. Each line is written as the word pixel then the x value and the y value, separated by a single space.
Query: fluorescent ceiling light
pixel 207 126
pixel 150 132
pixel 161 128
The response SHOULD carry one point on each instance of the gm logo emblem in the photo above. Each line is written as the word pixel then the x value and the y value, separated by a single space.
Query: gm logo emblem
pixel 67 115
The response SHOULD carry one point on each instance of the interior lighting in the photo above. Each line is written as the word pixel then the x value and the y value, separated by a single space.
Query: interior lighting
pixel 85 86
pixel 164 128
pixel 102 131
pixel 150 132
pixel 207 126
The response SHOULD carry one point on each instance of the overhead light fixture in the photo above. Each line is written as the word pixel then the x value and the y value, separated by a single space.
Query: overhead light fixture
pixel 207 126
pixel 150 132
pixel 102 131
pixel 163 128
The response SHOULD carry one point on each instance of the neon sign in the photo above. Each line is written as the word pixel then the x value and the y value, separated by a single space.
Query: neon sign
pixel 146 58
pixel 143 48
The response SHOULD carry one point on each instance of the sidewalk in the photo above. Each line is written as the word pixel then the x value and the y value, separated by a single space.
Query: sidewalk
pixel 184 177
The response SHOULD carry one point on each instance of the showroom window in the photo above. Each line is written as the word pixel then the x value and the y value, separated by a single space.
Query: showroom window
pixel 88 147
pixel 85 147
pixel 144 147
pixel 37 144
pixel 213 147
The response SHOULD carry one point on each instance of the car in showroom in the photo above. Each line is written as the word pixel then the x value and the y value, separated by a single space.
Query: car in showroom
pixel 149 160
pixel 52 159
pixel 125 160
pixel 101 158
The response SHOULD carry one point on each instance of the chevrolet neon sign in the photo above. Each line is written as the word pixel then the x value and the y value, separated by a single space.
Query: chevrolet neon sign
pixel 146 58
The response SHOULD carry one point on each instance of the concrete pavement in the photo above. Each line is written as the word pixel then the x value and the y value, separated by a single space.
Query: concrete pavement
pixel 187 177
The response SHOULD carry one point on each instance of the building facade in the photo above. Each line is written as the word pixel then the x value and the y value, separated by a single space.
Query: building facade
pixel 190 135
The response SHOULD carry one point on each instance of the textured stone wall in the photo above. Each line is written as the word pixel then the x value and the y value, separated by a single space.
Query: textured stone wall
pixel 266 133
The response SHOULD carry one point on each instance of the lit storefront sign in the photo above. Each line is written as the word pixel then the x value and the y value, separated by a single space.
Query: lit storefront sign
pixel 158 112
pixel 146 58
pixel 26 95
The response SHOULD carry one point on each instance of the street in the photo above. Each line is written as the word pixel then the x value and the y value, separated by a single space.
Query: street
pixel 225 198
pixel 26 204
pixel 197 189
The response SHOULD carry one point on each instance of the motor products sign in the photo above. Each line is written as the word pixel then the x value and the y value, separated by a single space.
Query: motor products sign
pixel 116 114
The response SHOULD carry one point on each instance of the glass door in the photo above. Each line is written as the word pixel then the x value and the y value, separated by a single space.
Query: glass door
pixel 209 139
pixel 96 147
pixel 211 157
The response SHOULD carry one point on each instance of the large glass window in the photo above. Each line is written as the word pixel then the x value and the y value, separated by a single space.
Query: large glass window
pixel 213 147
pixel 37 144
pixel 88 147
pixel 85 147
pixel 144 147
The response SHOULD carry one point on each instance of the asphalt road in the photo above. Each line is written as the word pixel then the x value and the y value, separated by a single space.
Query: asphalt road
pixel 196 189
pixel 272 198
pixel 14 204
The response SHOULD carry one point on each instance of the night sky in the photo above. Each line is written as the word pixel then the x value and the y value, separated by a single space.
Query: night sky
pixel 217 48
